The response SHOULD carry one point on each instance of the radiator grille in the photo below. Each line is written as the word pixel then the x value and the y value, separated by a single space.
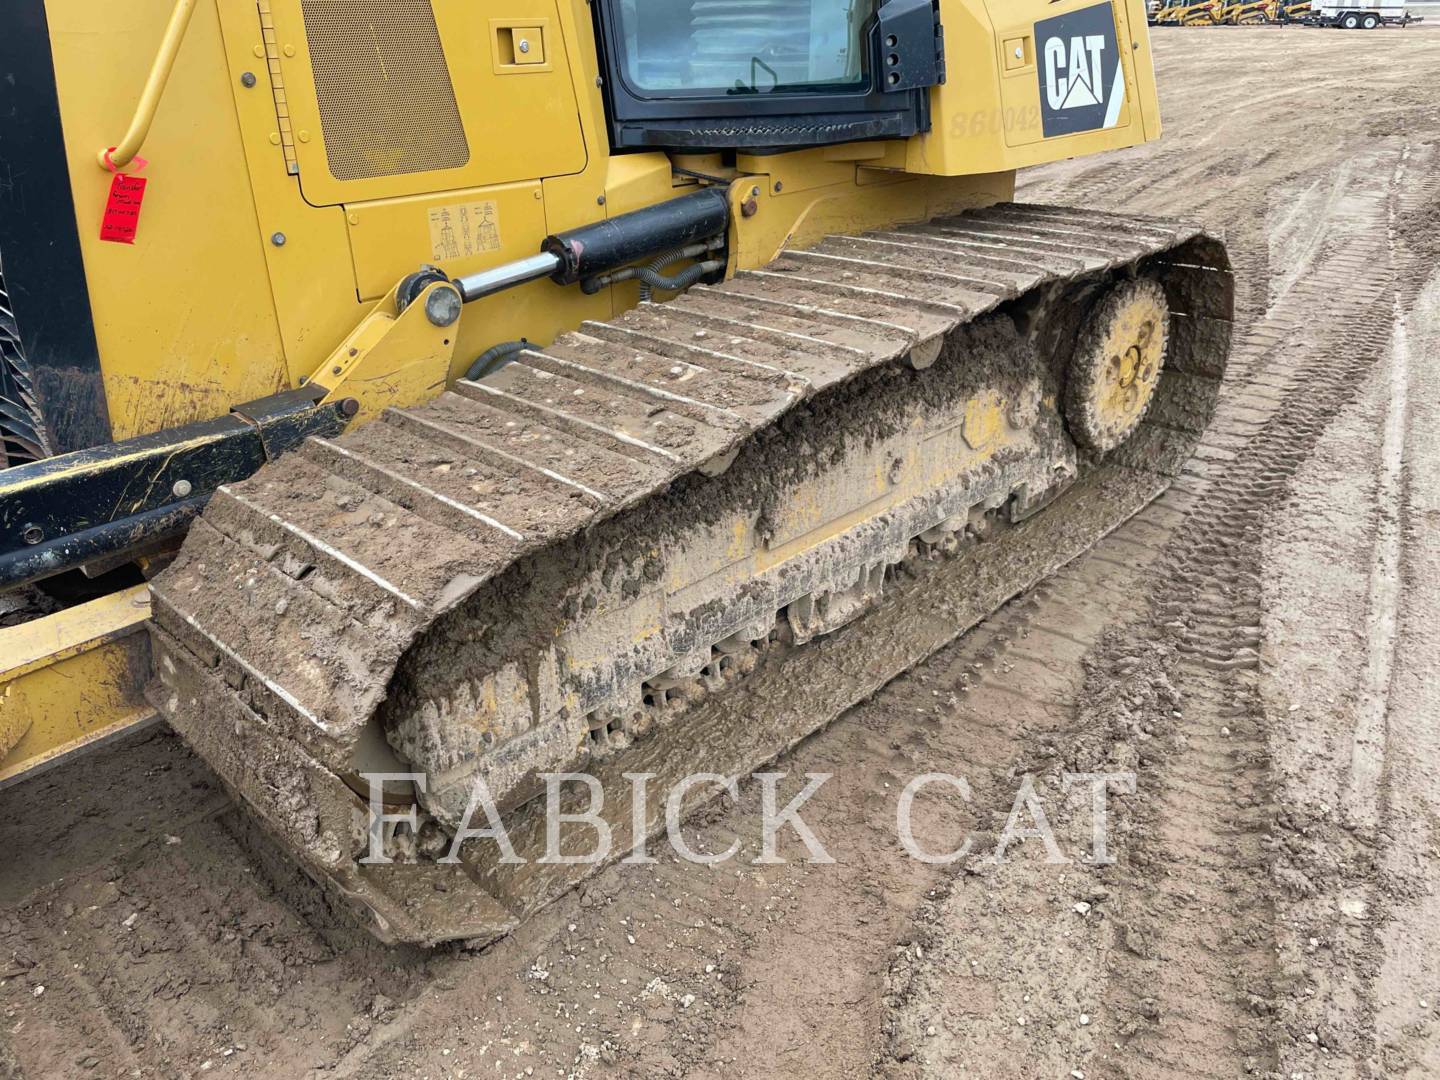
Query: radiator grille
pixel 387 106
pixel 22 431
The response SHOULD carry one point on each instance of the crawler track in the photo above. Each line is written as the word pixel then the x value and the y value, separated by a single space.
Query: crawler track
pixel 639 534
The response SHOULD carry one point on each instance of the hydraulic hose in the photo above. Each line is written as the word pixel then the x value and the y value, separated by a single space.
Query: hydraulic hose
pixel 651 278
pixel 663 263
pixel 495 358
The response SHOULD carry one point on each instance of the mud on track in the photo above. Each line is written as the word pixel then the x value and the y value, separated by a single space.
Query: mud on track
pixel 1259 647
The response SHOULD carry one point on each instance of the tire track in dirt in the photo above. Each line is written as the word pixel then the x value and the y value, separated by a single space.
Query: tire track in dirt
pixel 1214 903
pixel 1407 1021
pixel 1189 966
pixel 1354 861
pixel 1366 791
pixel 1001 968
pixel 178 957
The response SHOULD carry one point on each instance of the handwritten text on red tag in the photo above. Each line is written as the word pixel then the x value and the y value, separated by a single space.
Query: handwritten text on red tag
pixel 122 209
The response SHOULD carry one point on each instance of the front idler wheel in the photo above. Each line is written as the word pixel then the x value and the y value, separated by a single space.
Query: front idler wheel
pixel 1116 366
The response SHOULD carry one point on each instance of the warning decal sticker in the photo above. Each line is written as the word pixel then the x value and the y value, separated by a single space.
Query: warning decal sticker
pixel 464 229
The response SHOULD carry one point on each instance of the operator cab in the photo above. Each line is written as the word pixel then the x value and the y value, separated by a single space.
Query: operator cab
pixel 767 75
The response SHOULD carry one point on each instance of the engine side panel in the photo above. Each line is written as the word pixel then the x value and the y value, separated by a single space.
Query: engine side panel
pixel 184 317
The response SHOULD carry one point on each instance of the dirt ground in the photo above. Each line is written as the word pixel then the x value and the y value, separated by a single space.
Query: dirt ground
pixel 1259 648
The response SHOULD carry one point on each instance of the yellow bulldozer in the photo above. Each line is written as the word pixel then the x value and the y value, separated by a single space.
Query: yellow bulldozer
pixel 1251 13
pixel 1263 12
pixel 1188 13
pixel 413 400
pixel 1221 13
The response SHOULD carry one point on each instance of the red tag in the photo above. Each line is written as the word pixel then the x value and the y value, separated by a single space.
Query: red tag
pixel 122 209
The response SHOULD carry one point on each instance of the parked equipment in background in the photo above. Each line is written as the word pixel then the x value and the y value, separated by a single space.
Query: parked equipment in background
pixel 1191 13
pixel 1361 15
pixel 1250 13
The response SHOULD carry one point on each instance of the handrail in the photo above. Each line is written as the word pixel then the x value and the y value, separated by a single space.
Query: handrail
pixel 115 158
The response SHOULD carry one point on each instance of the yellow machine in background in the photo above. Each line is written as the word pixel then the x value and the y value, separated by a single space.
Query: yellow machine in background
pixel 254 225
pixel 1205 13
pixel 1261 12
pixel 1218 12
pixel 1250 12
pixel 1167 14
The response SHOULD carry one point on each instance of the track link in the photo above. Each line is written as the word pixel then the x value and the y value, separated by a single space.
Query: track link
pixel 564 566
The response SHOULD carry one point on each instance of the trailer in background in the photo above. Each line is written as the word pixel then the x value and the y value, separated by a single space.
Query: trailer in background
pixel 1361 14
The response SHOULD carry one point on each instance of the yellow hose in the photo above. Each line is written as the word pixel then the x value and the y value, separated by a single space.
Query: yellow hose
pixel 125 150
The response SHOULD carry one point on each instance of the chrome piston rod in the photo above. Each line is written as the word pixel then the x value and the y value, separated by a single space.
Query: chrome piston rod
pixel 570 257
pixel 488 282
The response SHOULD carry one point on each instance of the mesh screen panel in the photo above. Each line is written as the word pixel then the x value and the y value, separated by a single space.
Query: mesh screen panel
pixel 386 103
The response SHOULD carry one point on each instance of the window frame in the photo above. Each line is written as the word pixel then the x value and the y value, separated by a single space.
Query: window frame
pixel 695 120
